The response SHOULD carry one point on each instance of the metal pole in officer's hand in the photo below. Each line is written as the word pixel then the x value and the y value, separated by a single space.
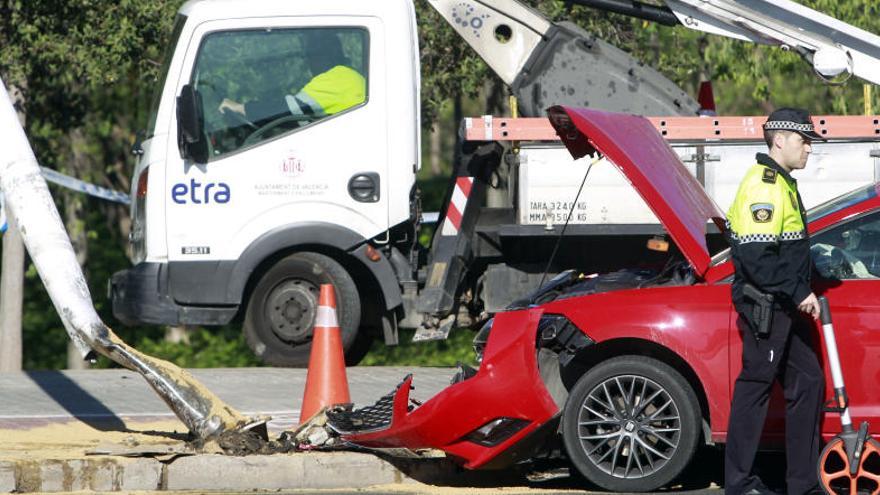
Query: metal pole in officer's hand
pixel 840 398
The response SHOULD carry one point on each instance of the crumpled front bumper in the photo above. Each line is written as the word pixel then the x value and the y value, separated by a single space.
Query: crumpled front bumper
pixel 507 391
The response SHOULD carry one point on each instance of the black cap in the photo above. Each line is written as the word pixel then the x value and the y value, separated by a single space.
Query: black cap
pixel 792 119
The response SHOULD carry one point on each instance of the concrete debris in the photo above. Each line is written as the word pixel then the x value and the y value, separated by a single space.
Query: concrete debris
pixel 315 434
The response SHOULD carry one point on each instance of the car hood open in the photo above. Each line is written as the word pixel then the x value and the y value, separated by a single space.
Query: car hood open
pixel 635 146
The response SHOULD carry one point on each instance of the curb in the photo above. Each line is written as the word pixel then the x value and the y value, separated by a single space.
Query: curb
pixel 214 472
pixel 204 472
pixel 63 475
pixel 280 472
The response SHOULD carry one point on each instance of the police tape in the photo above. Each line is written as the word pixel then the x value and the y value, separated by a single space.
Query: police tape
pixel 73 184
pixel 430 216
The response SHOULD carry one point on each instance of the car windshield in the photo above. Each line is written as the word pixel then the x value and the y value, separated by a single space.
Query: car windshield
pixel 820 211
pixel 841 202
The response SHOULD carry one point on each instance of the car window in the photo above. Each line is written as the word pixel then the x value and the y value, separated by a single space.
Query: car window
pixel 841 202
pixel 850 250
pixel 257 84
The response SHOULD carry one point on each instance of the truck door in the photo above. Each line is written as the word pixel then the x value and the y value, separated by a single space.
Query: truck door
pixel 296 131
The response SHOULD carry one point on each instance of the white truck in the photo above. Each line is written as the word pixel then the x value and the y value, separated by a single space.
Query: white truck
pixel 241 215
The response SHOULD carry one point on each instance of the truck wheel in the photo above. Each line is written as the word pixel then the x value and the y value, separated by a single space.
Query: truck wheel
pixel 280 314
pixel 631 424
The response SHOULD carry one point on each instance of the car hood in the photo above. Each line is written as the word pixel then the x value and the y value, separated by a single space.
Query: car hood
pixel 633 144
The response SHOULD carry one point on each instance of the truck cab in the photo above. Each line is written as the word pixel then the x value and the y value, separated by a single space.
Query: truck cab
pixel 242 205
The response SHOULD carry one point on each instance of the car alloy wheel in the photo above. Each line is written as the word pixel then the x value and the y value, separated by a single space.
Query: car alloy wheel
pixel 629 426
pixel 631 423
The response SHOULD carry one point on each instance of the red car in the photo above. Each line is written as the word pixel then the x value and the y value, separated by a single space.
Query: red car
pixel 634 369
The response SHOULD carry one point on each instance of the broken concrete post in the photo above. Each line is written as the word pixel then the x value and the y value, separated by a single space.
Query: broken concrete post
pixel 30 206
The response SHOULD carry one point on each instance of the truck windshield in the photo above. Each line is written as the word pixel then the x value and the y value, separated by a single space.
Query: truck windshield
pixel 163 73
pixel 258 84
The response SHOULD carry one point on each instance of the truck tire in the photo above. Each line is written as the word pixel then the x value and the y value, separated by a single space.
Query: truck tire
pixel 608 418
pixel 280 315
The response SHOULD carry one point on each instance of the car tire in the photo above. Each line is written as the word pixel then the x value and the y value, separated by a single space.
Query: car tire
pixel 631 404
pixel 280 315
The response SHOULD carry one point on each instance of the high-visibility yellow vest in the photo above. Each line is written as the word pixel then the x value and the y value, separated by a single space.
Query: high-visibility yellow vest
pixel 766 208
pixel 333 91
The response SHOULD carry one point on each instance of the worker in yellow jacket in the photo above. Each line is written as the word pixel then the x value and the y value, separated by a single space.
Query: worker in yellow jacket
pixel 333 88
pixel 772 294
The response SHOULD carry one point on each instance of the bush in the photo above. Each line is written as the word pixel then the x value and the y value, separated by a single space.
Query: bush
pixel 222 347
pixel 457 348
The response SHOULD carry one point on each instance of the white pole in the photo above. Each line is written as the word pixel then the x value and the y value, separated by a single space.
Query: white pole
pixel 11 284
pixel 11 299
pixel 834 363
pixel 29 205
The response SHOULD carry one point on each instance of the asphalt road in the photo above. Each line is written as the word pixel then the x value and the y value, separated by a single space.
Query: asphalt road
pixel 107 397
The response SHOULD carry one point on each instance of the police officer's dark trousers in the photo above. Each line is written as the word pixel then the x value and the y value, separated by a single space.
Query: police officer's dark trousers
pixel 786 355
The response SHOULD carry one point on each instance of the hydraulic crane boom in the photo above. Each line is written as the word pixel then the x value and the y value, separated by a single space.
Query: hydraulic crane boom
pixel 547 63
pixel 832 46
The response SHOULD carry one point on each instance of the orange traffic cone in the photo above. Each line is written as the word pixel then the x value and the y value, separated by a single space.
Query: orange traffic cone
pixel 326 383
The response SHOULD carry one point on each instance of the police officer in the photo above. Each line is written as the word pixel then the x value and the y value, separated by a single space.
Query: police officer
pixel 772 294
pixel 333 88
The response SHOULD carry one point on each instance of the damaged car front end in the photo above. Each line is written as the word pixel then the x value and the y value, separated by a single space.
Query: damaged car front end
pixel 512 401
pixel 508 410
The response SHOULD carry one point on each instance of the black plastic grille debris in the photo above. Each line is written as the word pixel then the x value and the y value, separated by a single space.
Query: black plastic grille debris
pixel 369 418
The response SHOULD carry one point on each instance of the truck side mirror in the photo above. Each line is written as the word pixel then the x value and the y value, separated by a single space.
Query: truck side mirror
pixel 191 139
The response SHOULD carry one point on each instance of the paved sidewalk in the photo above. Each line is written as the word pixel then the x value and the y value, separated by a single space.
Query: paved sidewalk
pixel 50 421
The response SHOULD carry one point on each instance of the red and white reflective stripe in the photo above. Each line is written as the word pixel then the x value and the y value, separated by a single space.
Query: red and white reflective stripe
pixel 460 195
pixel 326 317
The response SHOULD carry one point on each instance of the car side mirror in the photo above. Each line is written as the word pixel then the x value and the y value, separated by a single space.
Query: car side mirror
pixel 191 139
